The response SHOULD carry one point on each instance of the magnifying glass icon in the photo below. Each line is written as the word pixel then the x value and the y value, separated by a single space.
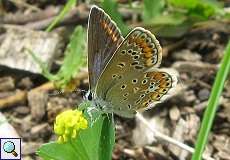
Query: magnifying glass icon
pixel 9 147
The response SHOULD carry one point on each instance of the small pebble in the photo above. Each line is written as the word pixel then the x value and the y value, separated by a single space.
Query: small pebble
pixel 174 113
pixel 203 94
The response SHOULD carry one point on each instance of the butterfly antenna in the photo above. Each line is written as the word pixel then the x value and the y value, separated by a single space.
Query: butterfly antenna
pixel 60 92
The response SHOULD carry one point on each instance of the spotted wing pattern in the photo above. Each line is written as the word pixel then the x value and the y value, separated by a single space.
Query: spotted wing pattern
pixel 131 79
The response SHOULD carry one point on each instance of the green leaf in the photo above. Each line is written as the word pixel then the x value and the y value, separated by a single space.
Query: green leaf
pixel 152 8
pixel 213 102
pixel 65 10
pixel 107 139
pixel 169 30
pixel 198 9
pixel 110 7
pixel 169 19
pixel 73 60
pixel 56 151
pixel 94 143
pixel 42 65
pixel 184 4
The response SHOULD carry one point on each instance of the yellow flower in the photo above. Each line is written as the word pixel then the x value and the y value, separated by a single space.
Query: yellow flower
pixel 68 124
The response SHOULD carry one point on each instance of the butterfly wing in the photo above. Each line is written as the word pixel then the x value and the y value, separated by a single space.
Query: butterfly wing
pixel 103 39
pixel 131 79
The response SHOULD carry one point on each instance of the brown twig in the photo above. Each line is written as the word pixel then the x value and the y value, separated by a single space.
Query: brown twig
pixel 32 17
pixel 24 4
pixel 21 96
pixel 76 15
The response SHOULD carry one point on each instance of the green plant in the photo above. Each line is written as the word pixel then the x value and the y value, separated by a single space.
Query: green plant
pixel 73 61
pixel 65 10
pixel 110 6
pixel 94 143
pixel 213 101
pixel 174 18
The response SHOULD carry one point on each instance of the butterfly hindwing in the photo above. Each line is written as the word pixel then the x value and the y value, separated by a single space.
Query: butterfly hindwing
pixel 132 72
pixel 140 91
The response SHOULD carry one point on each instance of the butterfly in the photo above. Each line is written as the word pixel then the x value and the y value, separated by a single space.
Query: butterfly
pixel 123 72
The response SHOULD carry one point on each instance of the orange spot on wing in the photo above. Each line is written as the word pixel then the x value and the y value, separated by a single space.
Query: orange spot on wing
pixel 155 96
pixel 114 38
pixel 147 49
pixel 110 31
pixel 143 45
pixel 149 62
pixel 148 54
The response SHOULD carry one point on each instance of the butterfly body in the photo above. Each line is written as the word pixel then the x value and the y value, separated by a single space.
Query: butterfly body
pixel 124 73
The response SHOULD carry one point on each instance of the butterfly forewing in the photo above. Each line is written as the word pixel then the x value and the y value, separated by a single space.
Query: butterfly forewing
pixel 103 39
pixel 126 82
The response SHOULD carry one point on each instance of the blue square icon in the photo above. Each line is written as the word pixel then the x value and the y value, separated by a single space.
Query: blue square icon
pixel 10 148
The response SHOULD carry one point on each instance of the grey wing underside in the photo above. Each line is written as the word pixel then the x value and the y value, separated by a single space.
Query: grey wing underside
pixel 103 39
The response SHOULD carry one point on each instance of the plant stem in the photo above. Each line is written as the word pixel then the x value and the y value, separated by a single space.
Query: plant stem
pixel 212 104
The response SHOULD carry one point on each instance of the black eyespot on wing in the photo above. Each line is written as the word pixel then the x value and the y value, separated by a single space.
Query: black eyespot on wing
pixel 138 67
pixel 130 51
pixel 134 81
pixel 123 51
pixel 134 63
pixel 136 57
pixel 144 81
pixel 134 53
pixel 123 86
